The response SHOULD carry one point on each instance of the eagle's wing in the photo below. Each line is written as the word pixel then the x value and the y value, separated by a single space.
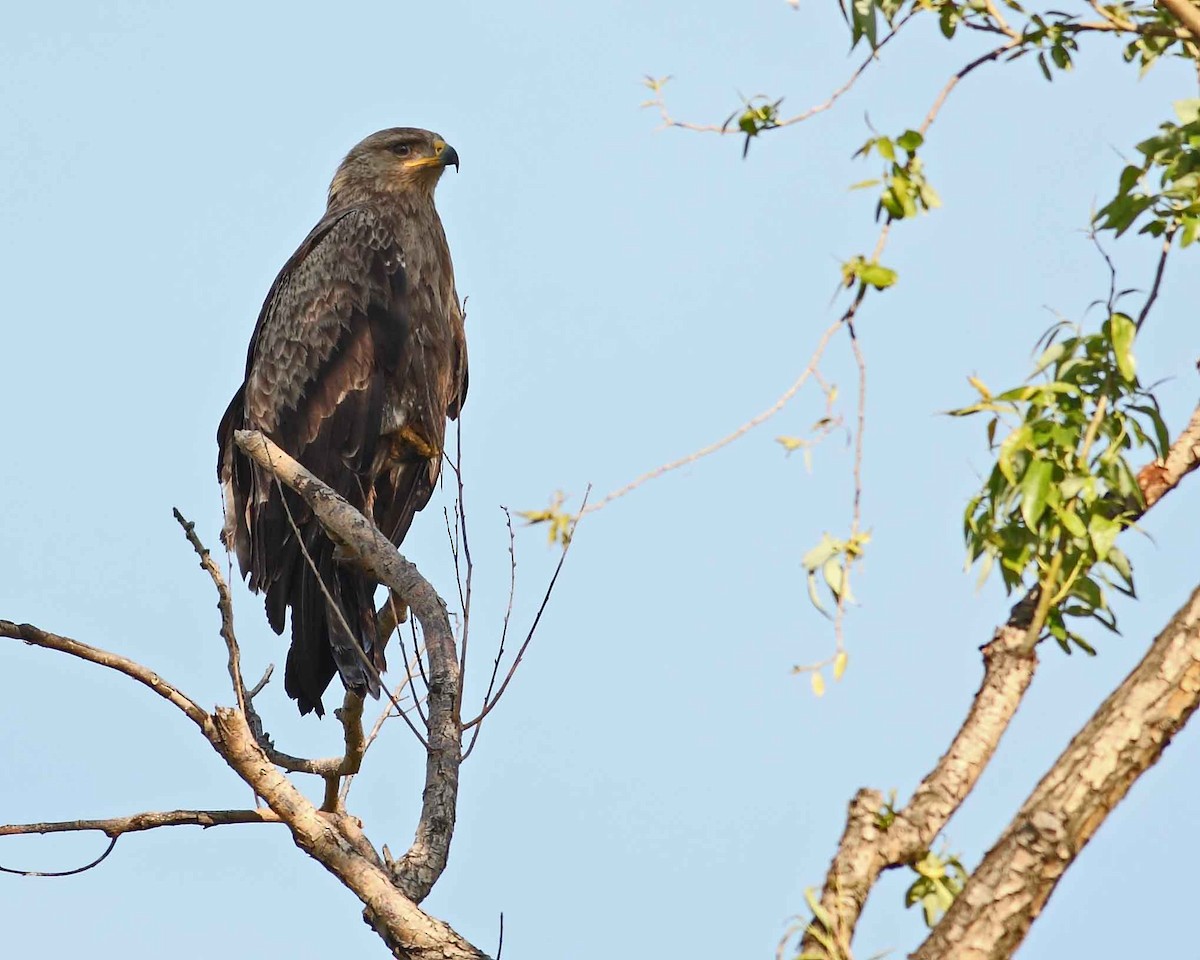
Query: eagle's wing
pixel 329 345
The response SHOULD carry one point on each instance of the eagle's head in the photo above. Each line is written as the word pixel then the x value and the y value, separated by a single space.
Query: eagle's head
pixel 403 160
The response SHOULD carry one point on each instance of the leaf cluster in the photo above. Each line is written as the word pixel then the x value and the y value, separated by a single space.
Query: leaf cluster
pixel 1165 187
pixel 832 559
pixel 906 191
pixel 1062 487
pixel 939 880
pixel 559 522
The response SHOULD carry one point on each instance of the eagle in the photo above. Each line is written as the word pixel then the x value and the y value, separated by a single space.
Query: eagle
pixel 356 362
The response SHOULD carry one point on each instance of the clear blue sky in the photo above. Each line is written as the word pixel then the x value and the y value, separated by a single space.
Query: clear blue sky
pixel 656 784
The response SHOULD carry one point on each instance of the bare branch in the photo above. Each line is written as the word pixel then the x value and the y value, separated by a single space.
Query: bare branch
pixel 112 844
pixel 115 827
pixel 143 675
pixel 741 431
pixel 490 704
pixel 224 605
pixel 336 842
pixel 940 99
pixel 417 871
pixel 668 121
pixel 1155 286
pixel 1122 740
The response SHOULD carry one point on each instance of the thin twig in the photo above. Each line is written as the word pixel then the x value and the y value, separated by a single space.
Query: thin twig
pixel 1168 236
pixel 741 431
pixel 512 593
pixel 979 61
pixel 490 705
pixel 112 842
pixel 224 605
pixel 725 128
pixel 143 675
pixel 461 513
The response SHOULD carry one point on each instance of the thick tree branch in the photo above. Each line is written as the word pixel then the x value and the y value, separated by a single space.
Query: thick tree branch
pixel 1161 477
pixel 417 871
pixel 1122 740
pixel 870 845
pixel 336 842
pixel 866 848
pixel 1186 13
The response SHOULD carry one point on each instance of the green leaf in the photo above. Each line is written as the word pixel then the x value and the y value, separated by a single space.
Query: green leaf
pixel 1122 332
pixel 1121 564
pixel 879 277
pixel 1072 522
pixel 911 139
pixel 1188 111
pixel 1034 487
pixel 1103 533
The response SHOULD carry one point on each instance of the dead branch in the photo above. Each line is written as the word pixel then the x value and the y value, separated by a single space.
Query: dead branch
pixel 116 827
pixel 741 431
pixel 137 822
pixel 417 871
pixel 143 675
pixel 224 605
pixel 112 845
pixel 1122 740
pixel 867 848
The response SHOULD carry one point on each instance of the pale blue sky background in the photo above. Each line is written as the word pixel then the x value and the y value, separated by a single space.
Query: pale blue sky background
pixel 656 784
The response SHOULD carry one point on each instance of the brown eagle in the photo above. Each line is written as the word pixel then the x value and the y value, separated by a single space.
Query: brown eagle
pixel 357 359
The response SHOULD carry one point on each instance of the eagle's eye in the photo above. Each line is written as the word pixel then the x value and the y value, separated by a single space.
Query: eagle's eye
pixel 401 149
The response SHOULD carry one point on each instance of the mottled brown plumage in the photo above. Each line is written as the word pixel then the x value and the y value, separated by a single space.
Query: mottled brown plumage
pixel 356 361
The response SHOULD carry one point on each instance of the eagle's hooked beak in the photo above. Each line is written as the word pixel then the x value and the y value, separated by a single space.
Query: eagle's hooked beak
pixel 446 154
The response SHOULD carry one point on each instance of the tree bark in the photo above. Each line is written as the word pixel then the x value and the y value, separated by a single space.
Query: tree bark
pixel 1122 740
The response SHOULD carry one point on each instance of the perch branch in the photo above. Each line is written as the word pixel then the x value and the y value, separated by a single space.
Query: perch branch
pixel 417 871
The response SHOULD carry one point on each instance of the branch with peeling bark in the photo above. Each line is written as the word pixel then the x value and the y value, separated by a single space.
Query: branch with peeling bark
pixel 872 843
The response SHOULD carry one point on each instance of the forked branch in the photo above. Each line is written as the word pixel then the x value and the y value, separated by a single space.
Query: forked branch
pixel 873 843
